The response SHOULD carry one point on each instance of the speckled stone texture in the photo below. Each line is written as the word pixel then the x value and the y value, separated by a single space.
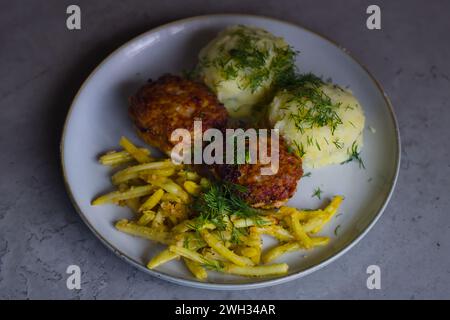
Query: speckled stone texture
pixel 42 65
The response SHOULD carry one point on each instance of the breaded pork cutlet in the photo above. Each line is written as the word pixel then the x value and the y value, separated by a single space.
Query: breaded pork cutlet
pixel 170 103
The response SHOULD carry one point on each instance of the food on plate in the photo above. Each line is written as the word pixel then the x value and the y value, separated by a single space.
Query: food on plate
pixel 218 223
pixel 266 190
pixel 242 64
pixel 323 123
pixel 170 103
pixel 206 222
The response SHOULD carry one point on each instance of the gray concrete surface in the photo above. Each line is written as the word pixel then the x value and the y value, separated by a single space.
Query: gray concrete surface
pixel 42 65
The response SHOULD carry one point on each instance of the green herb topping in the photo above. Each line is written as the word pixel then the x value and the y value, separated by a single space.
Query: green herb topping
pixel 252 63
pixel 317 193
pixel 355 155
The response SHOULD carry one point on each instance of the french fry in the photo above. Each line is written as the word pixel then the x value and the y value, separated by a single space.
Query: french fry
pixel 319 220
pixel 298 231
pixel 189 175
pixel 192 188
pixel 158 221
pixel 314 224
pixel 116 196
pixel 249 252
pixel 257 271
pixel 133 172
pixel 182 227
pixel 170 186
pixel 133 204
pixel 189 240
pixel 196 269
pixel 116 158
pixel 255 243
pixel 280 250
pixel 195 256
pixel 221 235
pixel 301 214
pixel 212 255
pixel 141 231
pixel 160 172
pixel 187 225
pixel 247 222
pixel 285 211
pixel 330 211
pixel 136 153
pixel 161 258
pixel 190 254
pixel 152 201
pixel 146 217
pixel 218 246
pixel 144 174
pixel 170 197
pixel 277 232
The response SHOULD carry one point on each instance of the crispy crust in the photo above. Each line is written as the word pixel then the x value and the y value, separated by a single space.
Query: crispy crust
pixel 267 191
pixel 172 102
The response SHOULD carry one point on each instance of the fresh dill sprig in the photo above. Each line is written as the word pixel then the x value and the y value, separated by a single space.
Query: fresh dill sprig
pixel 299 149
pixel 236 234
pixel 219 202
pixel 338 144
pixel 318 146
pixel 212 265
pixel 336 230
pixel 317 193
pixel 355 155
pixel 191 74
pixel 307 175
pixel 186 243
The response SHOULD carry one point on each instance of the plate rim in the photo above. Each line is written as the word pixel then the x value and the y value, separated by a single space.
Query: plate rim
pixel 232 286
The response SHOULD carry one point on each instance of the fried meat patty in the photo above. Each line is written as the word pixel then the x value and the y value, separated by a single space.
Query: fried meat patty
pixel 172 102
pixel 266 191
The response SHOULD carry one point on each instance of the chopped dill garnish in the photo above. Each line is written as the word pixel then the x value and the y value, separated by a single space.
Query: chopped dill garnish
pixel 336 230
pixel 236 234
pixel 307 175
pixel 253 64
pixel 186 242
pixel 219 202
pixel 348 107
pixel 339 145
pixel 317 193
pixel 318 146
pixel 212 265
pixel 314 107
pixel 190 74
pixel 355 155
pixel 300 149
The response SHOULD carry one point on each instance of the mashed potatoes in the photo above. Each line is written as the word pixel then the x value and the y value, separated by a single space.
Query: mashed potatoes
pixel 322 123
pixel 241 65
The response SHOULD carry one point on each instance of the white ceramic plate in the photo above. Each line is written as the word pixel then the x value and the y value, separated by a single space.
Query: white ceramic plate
pixel 98 118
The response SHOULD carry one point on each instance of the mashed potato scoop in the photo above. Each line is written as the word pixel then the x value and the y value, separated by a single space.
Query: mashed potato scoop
pixel 241 65
pixel 321 122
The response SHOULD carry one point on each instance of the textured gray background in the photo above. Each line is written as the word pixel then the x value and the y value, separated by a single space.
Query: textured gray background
pixel 42 65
